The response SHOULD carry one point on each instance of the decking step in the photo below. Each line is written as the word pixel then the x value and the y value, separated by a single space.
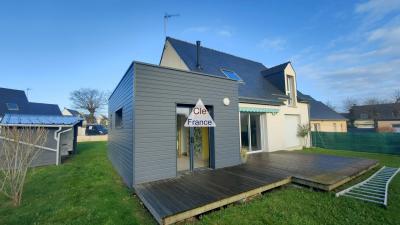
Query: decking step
pixel 374 189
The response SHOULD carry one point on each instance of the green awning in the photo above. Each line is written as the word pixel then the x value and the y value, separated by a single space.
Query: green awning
pixel 258 110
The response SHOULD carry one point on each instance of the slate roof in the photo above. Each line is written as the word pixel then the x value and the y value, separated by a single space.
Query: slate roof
pixel 25 119
pixel 390 111
pixel 254 86
pixel 24 106
pixel 318 110
pixel 12 96
pixel 43 109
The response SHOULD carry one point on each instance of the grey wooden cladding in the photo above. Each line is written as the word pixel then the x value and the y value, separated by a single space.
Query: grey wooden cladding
pixel 120 140
pixel 45 157
pixel 144 149
pixel 158 91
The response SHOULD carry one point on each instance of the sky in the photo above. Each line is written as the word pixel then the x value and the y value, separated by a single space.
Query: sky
pixel 339 49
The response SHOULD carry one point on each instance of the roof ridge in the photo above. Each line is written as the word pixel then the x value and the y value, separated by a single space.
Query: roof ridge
pixel 44 103
pixel 12 89
pixel 187 42
pixel 393 103
pixel 287 62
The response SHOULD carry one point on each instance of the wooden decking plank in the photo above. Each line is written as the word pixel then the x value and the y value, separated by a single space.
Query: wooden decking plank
pixel 173 199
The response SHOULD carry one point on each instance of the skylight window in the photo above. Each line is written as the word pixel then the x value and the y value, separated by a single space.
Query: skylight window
pixel 12 106
pixel 230 74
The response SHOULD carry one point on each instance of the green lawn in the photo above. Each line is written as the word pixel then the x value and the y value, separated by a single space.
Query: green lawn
pixel 86 190
pixel 83 190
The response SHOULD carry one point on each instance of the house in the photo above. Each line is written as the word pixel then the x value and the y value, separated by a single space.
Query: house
pixel 15 102
pixel 381 117
pixel 267 96
pixel 101 119
pixel 71 112
pixel 255 108
pixel 323 118
pixel 17 111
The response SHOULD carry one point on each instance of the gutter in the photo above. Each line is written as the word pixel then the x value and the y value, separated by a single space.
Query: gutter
pixel 260 101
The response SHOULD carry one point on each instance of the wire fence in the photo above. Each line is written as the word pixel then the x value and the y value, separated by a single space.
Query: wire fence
pixel 388 143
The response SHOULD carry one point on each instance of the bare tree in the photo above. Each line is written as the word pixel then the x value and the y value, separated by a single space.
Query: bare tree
pixel 372 101
pixel 330 105
pixel 90 100
pixel 396 96
pixel 348 103
pixel 18 148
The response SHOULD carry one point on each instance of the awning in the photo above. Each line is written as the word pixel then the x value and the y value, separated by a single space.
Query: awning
pixel 259 110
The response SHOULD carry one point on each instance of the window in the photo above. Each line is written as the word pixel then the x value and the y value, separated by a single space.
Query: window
pixel 12 106
pixel 364 116
pixel 317 127
pixel 334 127
pixel 395 114
pixel 291 90
pixel 118 118
pixel 232 75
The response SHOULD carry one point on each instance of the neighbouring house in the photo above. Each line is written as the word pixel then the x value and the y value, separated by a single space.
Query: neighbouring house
pixel 255 108
pixel 101 119
pixel 15 102
pixel 381 117
pixel 71 112
pixel 17 111
pixel 323 118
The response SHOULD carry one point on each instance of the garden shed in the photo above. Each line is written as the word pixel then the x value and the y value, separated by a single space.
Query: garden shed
pixel 61 135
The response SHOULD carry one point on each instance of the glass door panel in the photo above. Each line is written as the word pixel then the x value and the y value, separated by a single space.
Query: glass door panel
pixel 244 130
pixel 250 131
pixel 182 141
pixel 255 132
pixel 192 144
pixel 201 148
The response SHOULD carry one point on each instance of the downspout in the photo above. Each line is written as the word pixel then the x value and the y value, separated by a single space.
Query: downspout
pixel 57 136
pixel 309 124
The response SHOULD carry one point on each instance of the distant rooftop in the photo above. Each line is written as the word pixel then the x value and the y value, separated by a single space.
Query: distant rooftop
pixel 15 102
pixel 388 111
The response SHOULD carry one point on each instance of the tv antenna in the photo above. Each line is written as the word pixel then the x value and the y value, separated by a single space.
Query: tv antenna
pixel 166 17
pixel 27 91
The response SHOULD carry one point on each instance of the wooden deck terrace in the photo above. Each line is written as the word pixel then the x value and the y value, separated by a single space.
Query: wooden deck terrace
pixel 176 199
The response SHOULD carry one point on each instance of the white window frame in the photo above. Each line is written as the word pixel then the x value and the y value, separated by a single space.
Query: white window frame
pixel 262 128
pixel 291 92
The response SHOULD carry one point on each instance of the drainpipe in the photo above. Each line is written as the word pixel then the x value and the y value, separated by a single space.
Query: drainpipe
pixel 309 124
pixel 57 136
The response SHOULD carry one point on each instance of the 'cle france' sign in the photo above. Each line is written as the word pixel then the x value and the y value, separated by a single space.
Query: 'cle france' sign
pixel 199 117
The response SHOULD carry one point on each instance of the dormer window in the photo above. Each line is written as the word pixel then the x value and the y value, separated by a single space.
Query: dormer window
pixel 12 106
pixel 231 75
pixel 291 90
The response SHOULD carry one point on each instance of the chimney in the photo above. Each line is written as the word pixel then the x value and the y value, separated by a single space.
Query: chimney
pixel 198 54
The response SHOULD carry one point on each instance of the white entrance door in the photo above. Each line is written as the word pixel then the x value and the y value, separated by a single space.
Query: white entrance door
pixel 291 126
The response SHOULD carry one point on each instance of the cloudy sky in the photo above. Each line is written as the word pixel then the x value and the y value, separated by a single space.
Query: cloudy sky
pixel 339 49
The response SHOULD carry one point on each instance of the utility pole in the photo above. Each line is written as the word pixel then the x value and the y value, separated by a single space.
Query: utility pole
pixel 166 17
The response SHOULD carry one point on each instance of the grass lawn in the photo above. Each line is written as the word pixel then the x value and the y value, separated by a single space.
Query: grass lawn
pixel 86 190
pixel 83 190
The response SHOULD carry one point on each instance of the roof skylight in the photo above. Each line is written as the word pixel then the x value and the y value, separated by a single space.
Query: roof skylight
pixel 12 106
pixel 230 74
